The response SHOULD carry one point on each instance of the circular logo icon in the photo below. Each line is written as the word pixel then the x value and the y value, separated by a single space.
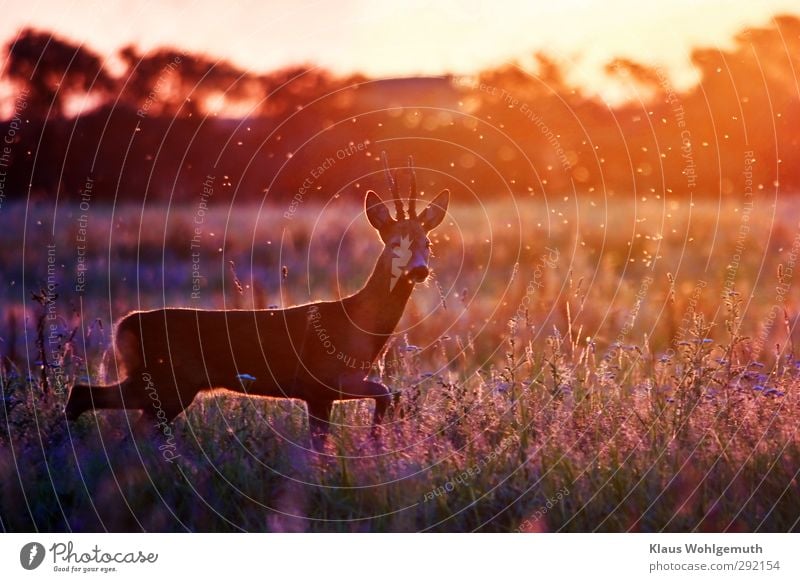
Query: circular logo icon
pixel 31 555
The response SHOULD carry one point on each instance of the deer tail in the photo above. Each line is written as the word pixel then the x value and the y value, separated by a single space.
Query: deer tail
pixel 128 346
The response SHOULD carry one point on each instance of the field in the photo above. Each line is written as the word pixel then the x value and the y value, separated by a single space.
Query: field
pixel 576 364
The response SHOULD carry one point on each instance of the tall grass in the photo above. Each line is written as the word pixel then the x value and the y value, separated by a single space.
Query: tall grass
pixel 571 367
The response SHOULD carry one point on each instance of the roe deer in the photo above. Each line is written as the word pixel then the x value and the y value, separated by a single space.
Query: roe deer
pixel 317 352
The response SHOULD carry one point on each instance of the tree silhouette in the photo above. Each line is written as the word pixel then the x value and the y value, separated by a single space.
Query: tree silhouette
pixel 543 133
pixel 174 83
pixel 53 70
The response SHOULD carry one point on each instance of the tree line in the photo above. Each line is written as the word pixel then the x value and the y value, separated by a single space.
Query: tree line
pixel 162 122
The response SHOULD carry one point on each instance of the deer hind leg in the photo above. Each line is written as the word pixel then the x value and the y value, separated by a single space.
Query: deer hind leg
pixel 165 397
pixel 126 394
pixel 155 420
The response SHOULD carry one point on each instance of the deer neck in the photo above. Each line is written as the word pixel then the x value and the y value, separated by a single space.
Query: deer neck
pixel 379 305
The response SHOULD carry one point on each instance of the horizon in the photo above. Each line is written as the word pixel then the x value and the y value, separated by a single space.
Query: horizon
pixel 449 40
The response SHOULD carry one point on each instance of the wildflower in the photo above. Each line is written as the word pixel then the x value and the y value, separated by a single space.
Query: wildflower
pixel 245 380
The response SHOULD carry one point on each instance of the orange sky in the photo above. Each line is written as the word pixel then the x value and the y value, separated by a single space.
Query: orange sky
pixel 389 38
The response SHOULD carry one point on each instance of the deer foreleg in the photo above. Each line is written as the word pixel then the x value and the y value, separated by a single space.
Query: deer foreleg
pixel 352 388
pixel 383 400
pixel 319 421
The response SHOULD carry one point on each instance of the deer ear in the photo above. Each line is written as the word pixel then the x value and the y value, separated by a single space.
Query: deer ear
pixel 434 213
pixel 377 213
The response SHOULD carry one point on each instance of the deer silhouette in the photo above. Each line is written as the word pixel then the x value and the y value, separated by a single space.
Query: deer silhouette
pixel 318 352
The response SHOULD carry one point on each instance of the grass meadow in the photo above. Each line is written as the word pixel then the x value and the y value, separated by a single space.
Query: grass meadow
pixel 575 364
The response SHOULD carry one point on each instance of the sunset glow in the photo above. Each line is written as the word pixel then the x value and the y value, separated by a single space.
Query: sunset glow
pixel 401 39
pixel 436 265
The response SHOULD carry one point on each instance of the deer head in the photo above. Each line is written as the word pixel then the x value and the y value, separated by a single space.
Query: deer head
pixel 405 237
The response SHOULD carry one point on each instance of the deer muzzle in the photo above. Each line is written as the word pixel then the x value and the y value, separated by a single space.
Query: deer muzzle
pixel 418 274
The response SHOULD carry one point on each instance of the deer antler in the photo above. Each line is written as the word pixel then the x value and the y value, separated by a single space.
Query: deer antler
pixel 398 204
pixel 412 189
